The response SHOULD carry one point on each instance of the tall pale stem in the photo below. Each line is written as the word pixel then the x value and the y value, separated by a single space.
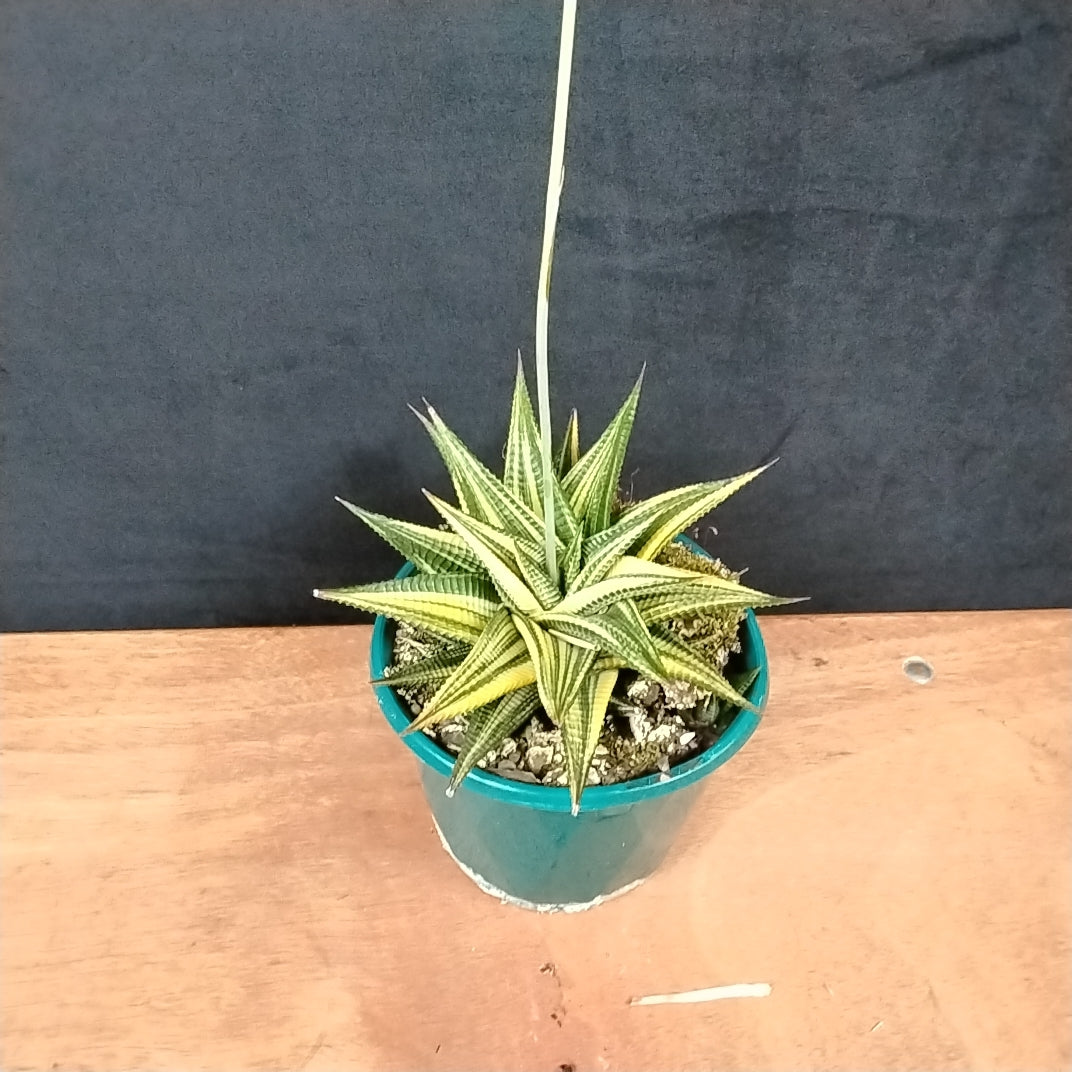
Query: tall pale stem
pixel 555 180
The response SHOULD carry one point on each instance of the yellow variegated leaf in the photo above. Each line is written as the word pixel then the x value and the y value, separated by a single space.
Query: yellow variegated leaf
pixel 570 450
pixel 614 631
pixel 521 471
pixel 592 483
pixel 498 663
pixel 560 667
pixel 647 523
pixel 571 561
pixel 428 671
pixel 451 604
pixel 690 600
pixel 533 570
pixel 480 493
pixel 490 726
pixel 582 727
pixel 629 579
pixel 679 511
pixel 496 552
pixel 683 664
pixel 431 550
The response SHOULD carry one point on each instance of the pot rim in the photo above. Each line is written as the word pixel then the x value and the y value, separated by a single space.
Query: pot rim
pixel 596 797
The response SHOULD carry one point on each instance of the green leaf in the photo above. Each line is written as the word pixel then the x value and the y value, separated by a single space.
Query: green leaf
pixel 496 552
pixel 431 550
pixel 451 604
pixel 698 599
pixel 560 667
pixel 430 670
pixel 581 729
pixel 533 569
pixel 674 511
pixel 614 631
pixel 570 450
pixel 490 726
pixel 629 579
pixel 521 472
pixel 571 561
pixel 567 524
pixel 683 664
pixel 498 663
pixel 480 493
pixel 592 483
pixel 647 522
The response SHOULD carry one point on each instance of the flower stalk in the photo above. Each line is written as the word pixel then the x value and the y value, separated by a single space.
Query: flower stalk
pixel 555 181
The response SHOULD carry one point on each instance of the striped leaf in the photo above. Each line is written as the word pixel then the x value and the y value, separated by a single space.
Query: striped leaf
pixel 614 631
pixel 497 664
pixel 496 552
pixel 490 726
pixel 567 524
pixel 630 578
pixel 480 493
pixel 592 483
pixel 570 451
pixel 533 570
pixel 571 561
pixel 521 471
pixel 455 605
pixel 675 511
pixel 431 670
pixel 683 664
pixel 647 523
pixel 560 667
pixel 431 550
pixel 698 599
pixel 582 727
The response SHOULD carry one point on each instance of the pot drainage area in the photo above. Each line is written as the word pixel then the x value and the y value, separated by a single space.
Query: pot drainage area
pixel 918 670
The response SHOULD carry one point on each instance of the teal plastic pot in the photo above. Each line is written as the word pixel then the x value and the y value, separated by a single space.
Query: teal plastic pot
pixel 519 842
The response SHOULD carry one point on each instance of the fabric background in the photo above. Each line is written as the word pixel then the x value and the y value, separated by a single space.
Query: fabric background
pixel 238 238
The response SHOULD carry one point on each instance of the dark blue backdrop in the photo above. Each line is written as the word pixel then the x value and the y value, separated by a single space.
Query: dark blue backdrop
pixel 238 238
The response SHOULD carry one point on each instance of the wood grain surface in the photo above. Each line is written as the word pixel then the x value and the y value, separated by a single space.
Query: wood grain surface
pixel 217 856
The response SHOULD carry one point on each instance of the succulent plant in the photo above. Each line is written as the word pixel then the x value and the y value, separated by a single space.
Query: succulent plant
pixel 544 607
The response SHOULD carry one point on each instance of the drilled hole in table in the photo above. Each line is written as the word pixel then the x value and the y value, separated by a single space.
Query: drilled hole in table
pixel 918 670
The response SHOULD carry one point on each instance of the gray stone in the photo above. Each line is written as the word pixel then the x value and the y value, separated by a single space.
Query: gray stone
pixel 539 758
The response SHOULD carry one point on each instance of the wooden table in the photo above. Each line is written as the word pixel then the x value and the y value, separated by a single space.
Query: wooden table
pixel 216 856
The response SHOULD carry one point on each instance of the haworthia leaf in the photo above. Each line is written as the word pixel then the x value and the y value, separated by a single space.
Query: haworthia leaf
pixel 592 483
pixel 571 561
pixel 560 667
pixel 614 632
pixel 533 569
pixel 581 729
pixel 428 671
pixel 490 726
pixel 431 550
pixel 567 524
pixel 480 493
pixel 683 664
pixel 570 450
pixel 522 462
pixel 496 552
pixel 451 604
pixel 498 663
pixel 696 599
pixel 676 516
pixel 630 578
pixel 647 523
